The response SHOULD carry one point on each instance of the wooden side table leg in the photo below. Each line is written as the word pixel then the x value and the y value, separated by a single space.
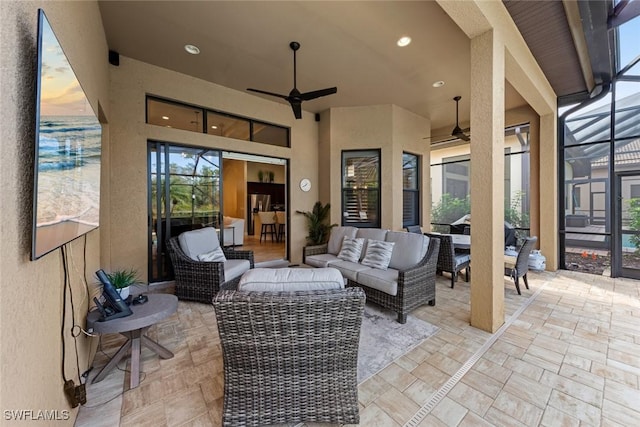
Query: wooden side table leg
pixel 155 347
pixel 135 358
pixel 113 362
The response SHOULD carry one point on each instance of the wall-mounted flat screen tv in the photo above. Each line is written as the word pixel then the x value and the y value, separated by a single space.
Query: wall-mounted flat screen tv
pixel 66 201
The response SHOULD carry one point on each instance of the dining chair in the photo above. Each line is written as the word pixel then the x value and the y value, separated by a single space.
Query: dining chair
pixel 451 261
pixel 516 267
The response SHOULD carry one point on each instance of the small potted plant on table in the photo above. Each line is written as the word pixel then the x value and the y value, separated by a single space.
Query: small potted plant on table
pixel 123 279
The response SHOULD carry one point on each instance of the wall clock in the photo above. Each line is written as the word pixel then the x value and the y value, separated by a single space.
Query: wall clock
pixel 305 184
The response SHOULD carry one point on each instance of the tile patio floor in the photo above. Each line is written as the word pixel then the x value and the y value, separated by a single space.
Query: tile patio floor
pixel 568 355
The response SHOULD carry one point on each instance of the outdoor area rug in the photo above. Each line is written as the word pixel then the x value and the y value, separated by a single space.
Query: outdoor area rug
pixel 383 339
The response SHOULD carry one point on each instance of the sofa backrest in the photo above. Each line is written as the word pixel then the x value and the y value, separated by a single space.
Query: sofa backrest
pixel 370 233
pixel 337 234
pixel 408 250
pixel 196 242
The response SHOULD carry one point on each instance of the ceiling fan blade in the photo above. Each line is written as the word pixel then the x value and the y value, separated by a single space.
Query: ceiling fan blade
pixel 437 137
pixel 297 109
pixel 463 136
pixel 268 93
pixel 318 93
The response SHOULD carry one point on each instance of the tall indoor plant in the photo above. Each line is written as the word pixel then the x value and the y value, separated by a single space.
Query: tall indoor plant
pixel 318 223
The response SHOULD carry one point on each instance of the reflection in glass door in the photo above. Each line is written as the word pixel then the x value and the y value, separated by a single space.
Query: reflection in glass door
pixel 184 194
pixel 627 257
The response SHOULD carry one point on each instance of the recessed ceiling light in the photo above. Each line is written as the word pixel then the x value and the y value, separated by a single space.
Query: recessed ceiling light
pixel 165 117
pixel 404 41
pixel 439 83
pixel 214 127
pixel 194 50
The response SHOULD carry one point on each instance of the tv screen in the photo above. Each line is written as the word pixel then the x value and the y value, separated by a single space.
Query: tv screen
pixel 66 201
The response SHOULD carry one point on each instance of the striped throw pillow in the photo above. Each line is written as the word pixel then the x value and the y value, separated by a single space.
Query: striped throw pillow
pixel 378 254
pixel 351 249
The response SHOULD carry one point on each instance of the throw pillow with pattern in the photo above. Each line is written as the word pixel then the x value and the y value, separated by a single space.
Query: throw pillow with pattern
pixel 378 254
pixel 351 249
pixel 216 255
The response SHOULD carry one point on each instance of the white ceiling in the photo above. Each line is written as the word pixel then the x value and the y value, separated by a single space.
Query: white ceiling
pixel 348 44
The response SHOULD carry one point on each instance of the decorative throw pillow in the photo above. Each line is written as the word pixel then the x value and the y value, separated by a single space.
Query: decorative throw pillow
pixel 351 249
pixel 378 254
pixel 216 255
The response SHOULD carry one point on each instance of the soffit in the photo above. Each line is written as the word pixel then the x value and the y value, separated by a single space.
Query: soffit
pixel 545 29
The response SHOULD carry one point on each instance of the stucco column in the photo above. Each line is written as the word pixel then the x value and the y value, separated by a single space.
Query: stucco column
pixel 549 190
pixel 487 181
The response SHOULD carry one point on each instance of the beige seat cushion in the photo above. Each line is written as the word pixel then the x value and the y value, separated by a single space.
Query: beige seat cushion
pixel 290 279
pixel 349 269
pixel 382 280
pixel 321 260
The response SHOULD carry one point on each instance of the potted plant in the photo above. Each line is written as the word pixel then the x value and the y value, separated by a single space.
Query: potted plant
pixel 271 176
pixel 317 224
pixel 260 176
pixel 122 280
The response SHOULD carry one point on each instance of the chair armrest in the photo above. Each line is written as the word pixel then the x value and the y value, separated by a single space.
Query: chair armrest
pixel 231 254
pixel 426 267
pixel 314 250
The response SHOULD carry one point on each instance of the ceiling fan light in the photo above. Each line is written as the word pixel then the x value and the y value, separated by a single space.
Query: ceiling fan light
pixel 439 83
pixel 403 41
pixel 192 49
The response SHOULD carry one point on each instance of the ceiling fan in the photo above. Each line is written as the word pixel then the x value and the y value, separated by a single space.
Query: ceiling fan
pixel 295 98
pixel 457 132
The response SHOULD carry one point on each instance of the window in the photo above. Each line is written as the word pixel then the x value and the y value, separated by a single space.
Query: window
pixel 361 188
pixel 162 112
pixel 410 190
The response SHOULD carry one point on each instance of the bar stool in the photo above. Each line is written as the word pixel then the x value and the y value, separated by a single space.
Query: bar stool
pixel 268 220
pixel 281 220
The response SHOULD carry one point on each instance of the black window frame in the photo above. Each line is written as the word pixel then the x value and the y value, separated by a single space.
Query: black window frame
pixel 372 193
pixel 413 194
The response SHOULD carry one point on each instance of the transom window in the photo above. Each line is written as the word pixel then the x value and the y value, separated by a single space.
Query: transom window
pixel 162 112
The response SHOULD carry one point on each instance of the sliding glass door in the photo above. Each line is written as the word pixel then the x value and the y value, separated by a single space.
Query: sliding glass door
pixel 185 193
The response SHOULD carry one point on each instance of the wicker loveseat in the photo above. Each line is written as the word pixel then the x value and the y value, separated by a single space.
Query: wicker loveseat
pixel 290 357
pixel 410 280
pixel 201 280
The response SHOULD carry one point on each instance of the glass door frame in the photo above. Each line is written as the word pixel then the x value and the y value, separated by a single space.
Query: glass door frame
pixel 618 269
pixel 162 151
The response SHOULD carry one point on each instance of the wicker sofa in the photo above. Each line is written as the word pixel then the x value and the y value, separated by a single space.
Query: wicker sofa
pixel 201 280
pixel 410 280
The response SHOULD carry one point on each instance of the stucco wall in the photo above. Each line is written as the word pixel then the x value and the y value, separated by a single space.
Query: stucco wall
pixel 31 292
pixel 388 128
pixel 131 81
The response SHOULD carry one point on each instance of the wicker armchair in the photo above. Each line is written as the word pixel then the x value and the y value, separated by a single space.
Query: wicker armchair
pixel 449 260
pixel 199 280
pixel 290 357
pixel 517 267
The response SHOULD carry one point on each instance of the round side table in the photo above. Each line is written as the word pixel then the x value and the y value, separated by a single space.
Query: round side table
pixel 134 327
